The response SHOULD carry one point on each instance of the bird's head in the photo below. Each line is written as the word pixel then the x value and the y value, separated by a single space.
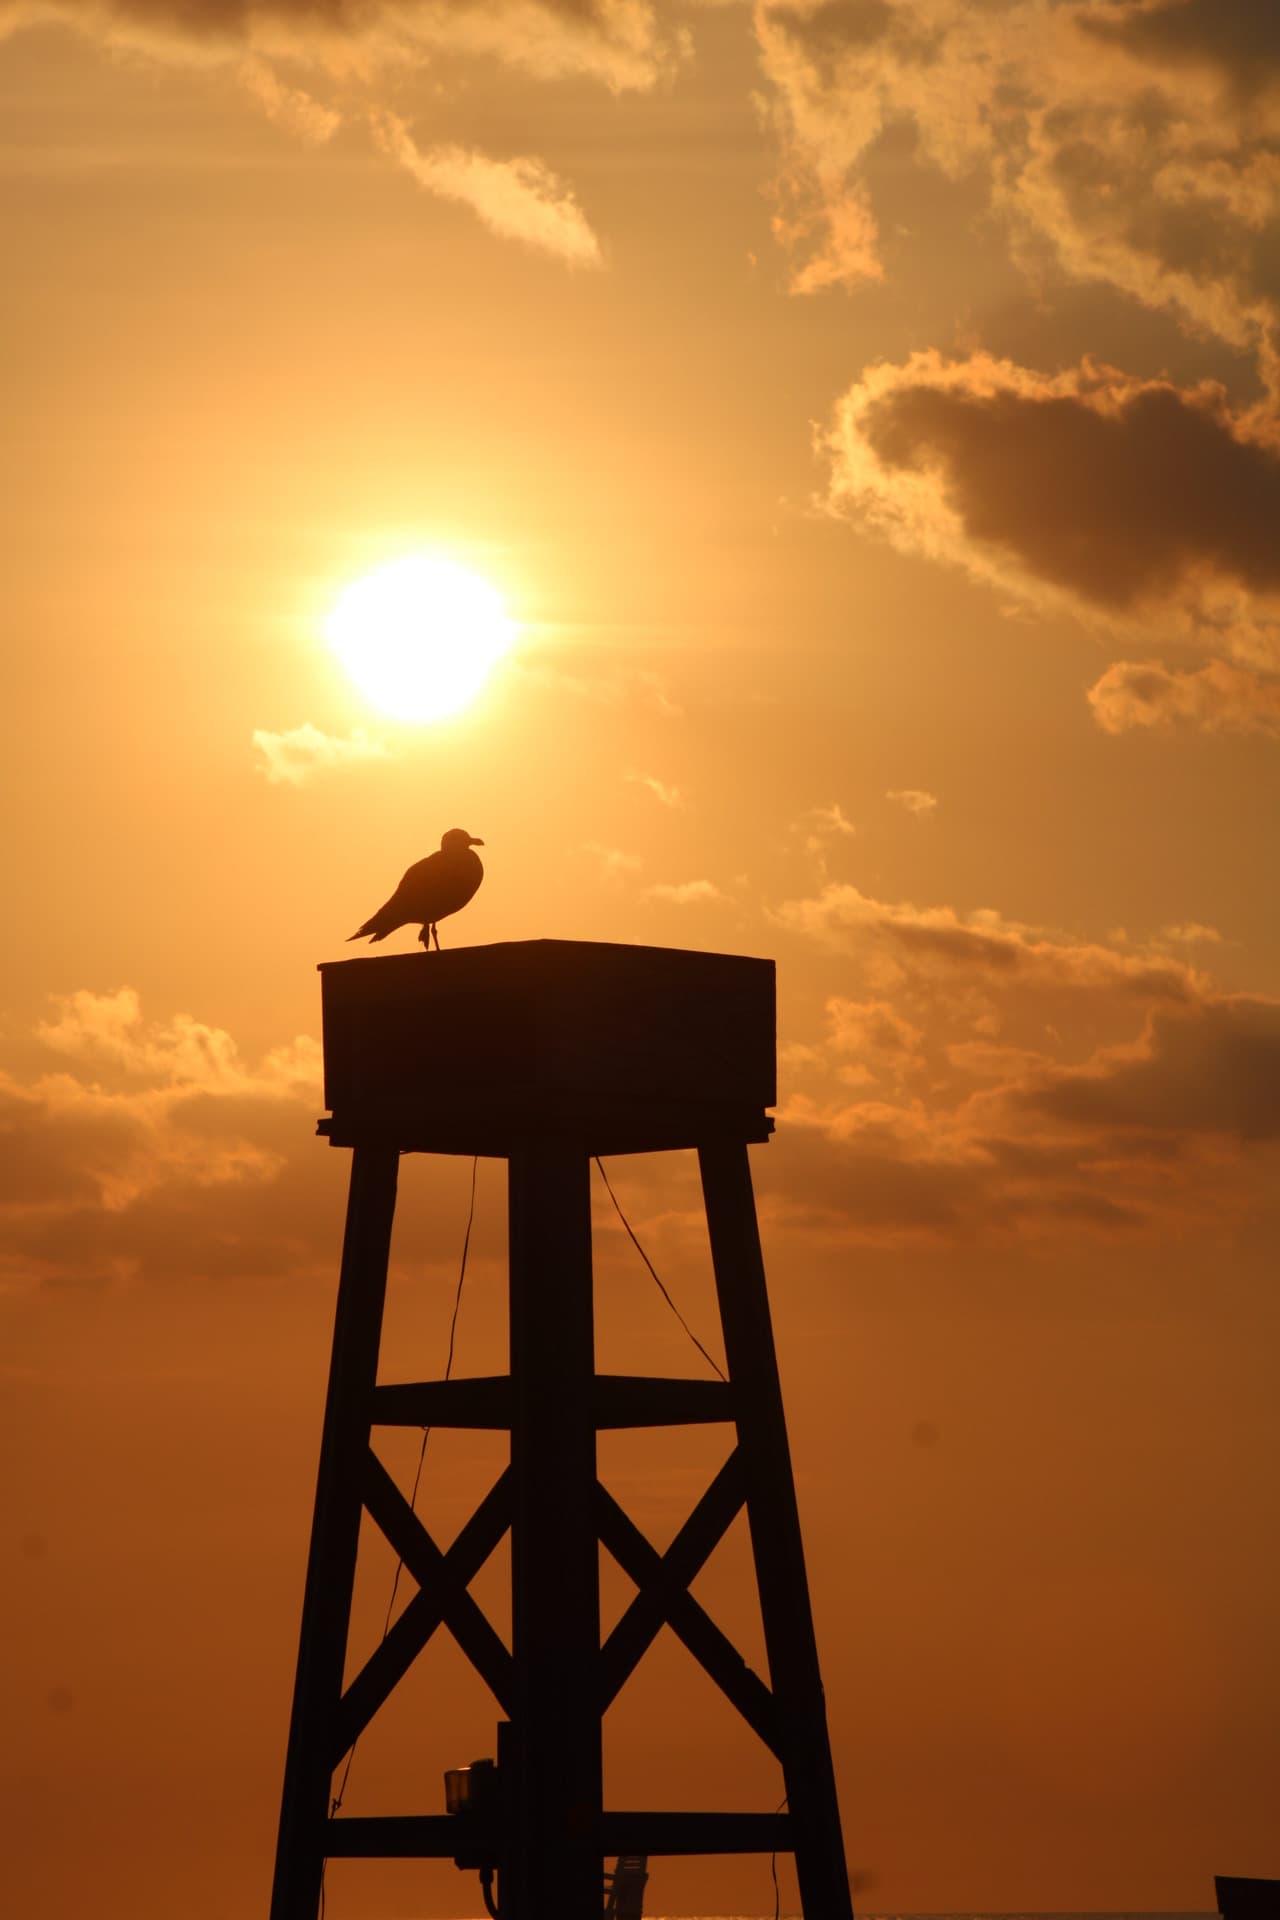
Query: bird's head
pixel 457 840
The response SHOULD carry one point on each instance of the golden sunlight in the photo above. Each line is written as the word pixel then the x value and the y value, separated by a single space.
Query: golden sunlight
pixel 420 636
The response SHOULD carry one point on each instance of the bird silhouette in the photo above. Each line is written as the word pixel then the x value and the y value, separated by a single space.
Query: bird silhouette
pixel 432 888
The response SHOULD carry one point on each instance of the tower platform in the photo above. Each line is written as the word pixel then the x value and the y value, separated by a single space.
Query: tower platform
pixel 623 1049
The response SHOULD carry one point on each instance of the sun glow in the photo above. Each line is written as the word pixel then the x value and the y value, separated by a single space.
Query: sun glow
pixel 420 636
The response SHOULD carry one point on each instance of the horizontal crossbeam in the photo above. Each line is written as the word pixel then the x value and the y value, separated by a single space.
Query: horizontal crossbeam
pixel 658 1833
pixel 619 1400
pixel 391 1660
pixel 481 1402
pixel 403 1836
pixel 434 1574
pixel 496 1129
pixel 439 1836
pixel 623 1400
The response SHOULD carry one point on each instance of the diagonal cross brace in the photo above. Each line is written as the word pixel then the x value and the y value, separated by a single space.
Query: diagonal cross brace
pixel 663 1598
pixel 392 1658
pixel 436 1575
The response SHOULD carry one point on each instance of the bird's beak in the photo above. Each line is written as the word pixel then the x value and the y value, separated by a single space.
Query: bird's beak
pixel 473 842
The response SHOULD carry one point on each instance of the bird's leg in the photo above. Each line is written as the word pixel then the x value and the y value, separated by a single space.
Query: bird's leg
pixel 435 936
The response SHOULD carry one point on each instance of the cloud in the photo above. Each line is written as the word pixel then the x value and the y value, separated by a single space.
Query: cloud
pixel 142 1119
pixel 982 945
pixel 1192 934
pixel 289 759
pixel 667 796
pixel 874 1030
pixel 1218 698
pixel 108 1030
pixel 822 828
pixel 290 107
pixel 1151 167
pixel 618 42
pixel 1122 501
pixel 614 861
pixel 1211 1069
pixel 1236 38
pixel 1121 493
pixel 684 893
pixel 825 823
pixel 915 800
pixel 136 1149
pixel 353 51
pixel 519 199
pixel 1000 1079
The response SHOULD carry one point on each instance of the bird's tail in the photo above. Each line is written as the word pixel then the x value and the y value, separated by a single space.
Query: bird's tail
pixel 370 927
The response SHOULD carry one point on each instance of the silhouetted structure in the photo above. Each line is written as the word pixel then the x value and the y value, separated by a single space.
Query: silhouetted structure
pixel 430 890
pixel 1247 1899
pixel 545 1053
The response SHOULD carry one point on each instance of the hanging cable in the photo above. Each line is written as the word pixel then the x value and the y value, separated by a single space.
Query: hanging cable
pixel 654 1271
pixel 336 1802
pixel 773 1868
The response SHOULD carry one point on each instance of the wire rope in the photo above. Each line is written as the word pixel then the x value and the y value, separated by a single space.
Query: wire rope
pixel 654 1271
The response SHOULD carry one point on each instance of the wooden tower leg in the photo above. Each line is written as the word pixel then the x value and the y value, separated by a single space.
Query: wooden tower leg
pixel 556 1865
pixel 335 1533
pixel 775 1531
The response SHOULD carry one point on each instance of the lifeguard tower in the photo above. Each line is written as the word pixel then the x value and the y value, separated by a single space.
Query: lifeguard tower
pixel 546 1053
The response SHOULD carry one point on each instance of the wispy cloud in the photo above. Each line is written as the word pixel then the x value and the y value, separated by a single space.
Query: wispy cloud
pixel 614 861
pixel 290 759
pixel 915 800
pixel 290 107
pixel 519 199
pixel 825 823
pixel 621 43
pixel 1192 934
pixel 662 791
pixel 685 893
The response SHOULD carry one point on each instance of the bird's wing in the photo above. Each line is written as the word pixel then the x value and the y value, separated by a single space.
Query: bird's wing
pixel 401 908
pixel 419 888
pixel 428 890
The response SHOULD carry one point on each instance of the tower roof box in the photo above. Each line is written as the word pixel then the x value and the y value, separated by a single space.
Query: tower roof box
pixel 626 1048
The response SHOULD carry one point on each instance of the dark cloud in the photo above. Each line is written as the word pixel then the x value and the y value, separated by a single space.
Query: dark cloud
pixel 1237 38
pixel 615 40
pixel 51 1157
pixel 1117 491
pixel 1212 1071
pixel 155 1151
pixel 238 19
pixel 858 1176
pixel 1090 491
pixel 1007 1081
pixel 235 18
pixel 835 25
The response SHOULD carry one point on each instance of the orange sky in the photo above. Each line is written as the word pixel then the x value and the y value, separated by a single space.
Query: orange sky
pixel 870 414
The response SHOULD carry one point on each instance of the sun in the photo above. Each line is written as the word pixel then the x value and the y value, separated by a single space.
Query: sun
pixel 420 636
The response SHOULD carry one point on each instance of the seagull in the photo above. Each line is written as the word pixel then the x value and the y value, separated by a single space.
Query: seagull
pixel 432 888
